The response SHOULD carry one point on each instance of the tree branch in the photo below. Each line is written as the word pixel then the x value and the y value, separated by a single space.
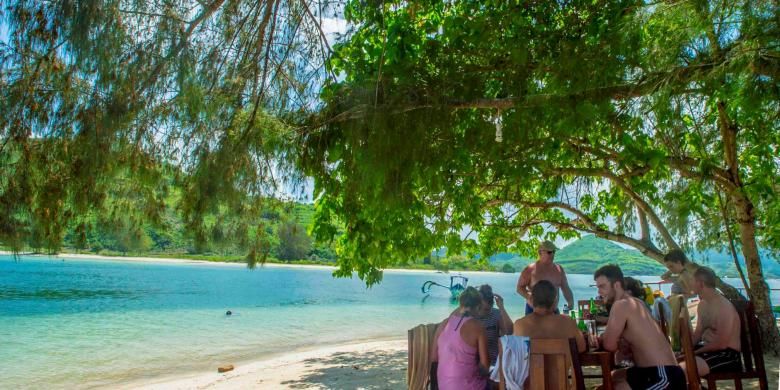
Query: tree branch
pixel 582 223
pixel 670 242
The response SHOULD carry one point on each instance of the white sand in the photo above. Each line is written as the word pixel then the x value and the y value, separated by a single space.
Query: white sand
pixel 161 260
pixel 370 365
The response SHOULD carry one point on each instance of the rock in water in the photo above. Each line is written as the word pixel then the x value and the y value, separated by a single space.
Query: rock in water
pixel 225 368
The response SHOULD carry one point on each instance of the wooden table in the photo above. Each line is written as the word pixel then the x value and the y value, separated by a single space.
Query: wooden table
pixel 603 359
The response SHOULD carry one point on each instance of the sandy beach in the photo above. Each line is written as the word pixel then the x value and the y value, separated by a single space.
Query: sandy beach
pixel 370 365
pixel 172 260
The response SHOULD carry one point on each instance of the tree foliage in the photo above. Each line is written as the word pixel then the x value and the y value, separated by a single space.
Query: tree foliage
pixel 600 102
pixel 294 243
pixel 104 98
pixel 651 124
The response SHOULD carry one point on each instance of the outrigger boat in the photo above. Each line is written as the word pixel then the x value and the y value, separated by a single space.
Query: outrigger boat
pixel 458 283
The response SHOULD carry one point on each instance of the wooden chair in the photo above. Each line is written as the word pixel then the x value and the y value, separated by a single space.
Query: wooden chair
pixel 686 342
pixel 752 352
pixel 555 356
pixel 677 305
pixel 418 373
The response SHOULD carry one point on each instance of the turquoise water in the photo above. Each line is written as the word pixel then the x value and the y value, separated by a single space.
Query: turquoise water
pixel 86 323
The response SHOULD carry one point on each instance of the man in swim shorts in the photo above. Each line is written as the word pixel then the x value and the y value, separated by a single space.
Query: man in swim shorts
pixel 631 326
pixel 717 333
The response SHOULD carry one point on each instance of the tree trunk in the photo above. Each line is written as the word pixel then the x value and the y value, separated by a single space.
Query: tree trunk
pixel 759 290
pixel 746 219
pixel 732 247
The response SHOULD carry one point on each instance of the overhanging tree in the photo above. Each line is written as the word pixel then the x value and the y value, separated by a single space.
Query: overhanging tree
pixel 671 104
pixel 98 96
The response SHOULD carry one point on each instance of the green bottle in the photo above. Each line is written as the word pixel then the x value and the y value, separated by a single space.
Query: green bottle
pixel 573 315
pixel 593 310
pixel 581 323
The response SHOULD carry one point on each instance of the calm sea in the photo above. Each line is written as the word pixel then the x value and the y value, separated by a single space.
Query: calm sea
pixel 87 323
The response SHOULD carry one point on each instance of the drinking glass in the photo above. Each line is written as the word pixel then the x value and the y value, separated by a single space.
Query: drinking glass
pixel 592 336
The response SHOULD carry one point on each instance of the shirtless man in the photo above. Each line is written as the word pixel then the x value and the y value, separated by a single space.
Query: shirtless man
pixel 631 324
pixel 717 328
pixel 544 269
pixel 543 323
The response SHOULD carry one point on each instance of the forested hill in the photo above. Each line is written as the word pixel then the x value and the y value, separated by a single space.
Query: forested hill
pixel 588 253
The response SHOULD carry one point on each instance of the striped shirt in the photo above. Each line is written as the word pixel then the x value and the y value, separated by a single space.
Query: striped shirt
pixel 492 329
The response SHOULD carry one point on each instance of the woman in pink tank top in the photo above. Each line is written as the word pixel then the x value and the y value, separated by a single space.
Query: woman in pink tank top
pixel 461 347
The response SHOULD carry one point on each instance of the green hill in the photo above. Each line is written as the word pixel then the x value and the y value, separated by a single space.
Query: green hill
pixel 723 264
pixel 587 254
pixel 590 252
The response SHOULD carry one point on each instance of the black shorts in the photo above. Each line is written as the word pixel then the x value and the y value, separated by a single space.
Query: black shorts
pixel 724 360
pixel 656 378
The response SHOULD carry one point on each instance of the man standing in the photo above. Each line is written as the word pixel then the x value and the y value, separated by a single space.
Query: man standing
pixel 676 262
pixel 631 324
pixel 717 334
pixel 544 269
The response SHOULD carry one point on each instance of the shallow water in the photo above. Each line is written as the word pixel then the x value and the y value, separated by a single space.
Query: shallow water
pixel 86 323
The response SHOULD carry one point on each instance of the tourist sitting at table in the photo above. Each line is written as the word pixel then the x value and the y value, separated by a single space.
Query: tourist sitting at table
pixel 495 320
pixel 717 327
pixel 630 323
pixel 544 323
pixel 460 347
pixel 635 288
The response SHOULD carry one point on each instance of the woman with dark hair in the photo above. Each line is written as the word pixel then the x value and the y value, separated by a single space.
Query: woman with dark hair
pixel 495 320
pixel 460 347
pixel 635 288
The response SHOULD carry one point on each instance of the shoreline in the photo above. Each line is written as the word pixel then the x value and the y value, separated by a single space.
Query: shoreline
pixel 173 260
pixel 348 365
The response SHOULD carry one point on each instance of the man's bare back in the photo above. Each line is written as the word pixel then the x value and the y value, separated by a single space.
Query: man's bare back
pixel 718 319
pixel 630 320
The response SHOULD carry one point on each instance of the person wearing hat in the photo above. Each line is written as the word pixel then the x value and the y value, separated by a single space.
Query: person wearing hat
pixel 544 269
